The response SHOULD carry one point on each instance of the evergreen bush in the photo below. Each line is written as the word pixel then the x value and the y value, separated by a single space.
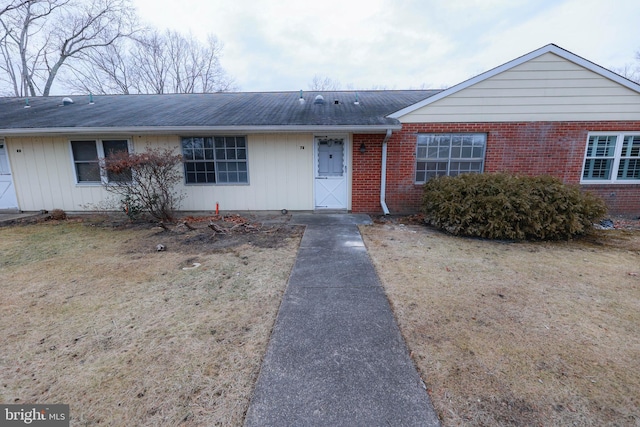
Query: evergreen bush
pixel 512 207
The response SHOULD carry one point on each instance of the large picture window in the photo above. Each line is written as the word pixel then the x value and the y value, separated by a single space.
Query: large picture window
pixel 449 154
pixel 87 155
pixel 211 160
pixel 612 158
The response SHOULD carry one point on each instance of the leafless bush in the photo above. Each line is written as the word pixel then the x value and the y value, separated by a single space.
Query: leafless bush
pixel 145 182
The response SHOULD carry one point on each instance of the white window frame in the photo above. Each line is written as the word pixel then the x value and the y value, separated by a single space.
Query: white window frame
pixel 100 151
pixel 217 162
pixel 617 157
pixel 448 159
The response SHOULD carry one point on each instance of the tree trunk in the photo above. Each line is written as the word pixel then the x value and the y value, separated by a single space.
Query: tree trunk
pixel 52 75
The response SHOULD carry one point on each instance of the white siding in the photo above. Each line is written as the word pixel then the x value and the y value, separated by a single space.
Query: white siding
pixel 44 177
pixel 547 88
pixel 280 175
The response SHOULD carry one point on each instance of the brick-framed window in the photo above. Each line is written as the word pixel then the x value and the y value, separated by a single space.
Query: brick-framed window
pixel 612 157
pixel 88 154
pixel 449 154
pixel 215 160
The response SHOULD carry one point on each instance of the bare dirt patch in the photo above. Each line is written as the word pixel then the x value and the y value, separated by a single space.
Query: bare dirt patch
pixel 518 334
pixel 96 317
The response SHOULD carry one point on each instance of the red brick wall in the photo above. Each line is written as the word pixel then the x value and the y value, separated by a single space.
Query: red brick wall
pixel 365 185
pixel 533 148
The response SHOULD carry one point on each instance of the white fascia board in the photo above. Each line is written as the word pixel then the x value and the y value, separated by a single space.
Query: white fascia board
pixel 194 130
pixel 550 48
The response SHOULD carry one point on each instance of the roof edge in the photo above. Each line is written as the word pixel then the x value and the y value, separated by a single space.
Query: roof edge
pixel 158 130
pixel 550 48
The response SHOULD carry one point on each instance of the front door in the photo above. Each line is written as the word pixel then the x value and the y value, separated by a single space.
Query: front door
pixel 7 192
pixel 331 173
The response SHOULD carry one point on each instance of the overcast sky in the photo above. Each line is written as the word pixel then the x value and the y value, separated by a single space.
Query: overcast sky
pixel 273 45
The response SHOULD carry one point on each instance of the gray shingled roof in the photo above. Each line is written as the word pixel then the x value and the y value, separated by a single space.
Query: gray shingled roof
pixel 218 110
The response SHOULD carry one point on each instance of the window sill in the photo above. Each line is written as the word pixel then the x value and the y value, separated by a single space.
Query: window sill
pixel 609 182
pixel 217 184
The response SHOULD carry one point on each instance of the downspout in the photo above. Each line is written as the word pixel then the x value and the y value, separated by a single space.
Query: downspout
pixel 383 175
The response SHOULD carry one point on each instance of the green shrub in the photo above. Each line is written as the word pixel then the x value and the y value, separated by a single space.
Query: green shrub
pixel 504 206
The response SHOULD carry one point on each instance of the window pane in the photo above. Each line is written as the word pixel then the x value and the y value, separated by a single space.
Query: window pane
pixel 243 177
pixel 631 146
pixel 231 154
pixel 84 150
pixel 124 176
pixel 601 146
pixel 240 142
pixel 597 169
pixel 113 147
pixel 242 154
pixel 443 152
pixel 629 169
pixel 88 172
pixel 220 154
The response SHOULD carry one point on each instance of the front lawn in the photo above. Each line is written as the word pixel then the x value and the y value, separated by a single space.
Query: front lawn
pixel 97 318
pixel 520 334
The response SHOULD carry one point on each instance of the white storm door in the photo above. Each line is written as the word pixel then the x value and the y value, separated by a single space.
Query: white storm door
pixel 7 192
pixel 331 173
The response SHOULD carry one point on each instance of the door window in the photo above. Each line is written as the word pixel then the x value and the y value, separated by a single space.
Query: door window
pixel 330 157
pixel 4 161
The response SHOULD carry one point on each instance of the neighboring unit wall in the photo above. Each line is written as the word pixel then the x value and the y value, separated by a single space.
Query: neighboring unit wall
pixel 280 175
pixel 531 148
pixel 44 176
pixel 547 88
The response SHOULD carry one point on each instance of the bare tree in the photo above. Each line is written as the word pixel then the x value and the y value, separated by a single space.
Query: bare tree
pixel 324 83
pixel 42 35
pixel 101 71
pixel 630 71
pixel 13 5
pixel 156 63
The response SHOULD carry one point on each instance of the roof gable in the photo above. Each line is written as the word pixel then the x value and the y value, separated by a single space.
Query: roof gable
pixel 551 48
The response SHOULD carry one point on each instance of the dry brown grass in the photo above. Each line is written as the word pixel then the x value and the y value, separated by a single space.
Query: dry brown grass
pixel 98 319
pixel 520 334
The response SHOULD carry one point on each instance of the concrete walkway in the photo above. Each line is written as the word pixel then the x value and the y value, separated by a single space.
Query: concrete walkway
pixel 336 356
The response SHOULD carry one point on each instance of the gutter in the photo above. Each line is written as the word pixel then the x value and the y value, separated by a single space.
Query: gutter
pixel 383 174
pixel 195 130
